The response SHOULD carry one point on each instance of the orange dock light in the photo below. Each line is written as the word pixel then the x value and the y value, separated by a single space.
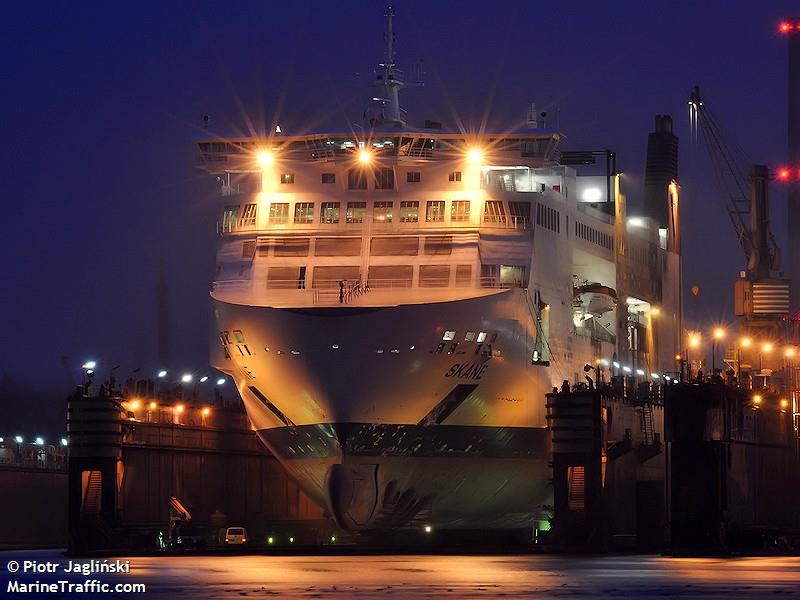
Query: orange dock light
pixel 364 156
pixel 206 411
pixel 475 156
pixel 265 158
pixel 757 399
pixel 136 404
pixel 152 406
pixel 179 408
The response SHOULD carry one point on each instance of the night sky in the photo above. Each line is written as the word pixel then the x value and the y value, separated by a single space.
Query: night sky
pixel 100 102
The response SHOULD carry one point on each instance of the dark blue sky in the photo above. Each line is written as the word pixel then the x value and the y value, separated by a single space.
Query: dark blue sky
pixel 100 101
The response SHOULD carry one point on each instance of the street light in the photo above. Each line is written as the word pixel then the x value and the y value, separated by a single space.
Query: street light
pixel 221 381
pixel 694 342
pixel 18 439
pixel 719 333
pixel 162 374
pixel 186 378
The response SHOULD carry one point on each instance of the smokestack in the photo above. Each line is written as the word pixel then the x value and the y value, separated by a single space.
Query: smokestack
pixel 793 208
pixel 661 170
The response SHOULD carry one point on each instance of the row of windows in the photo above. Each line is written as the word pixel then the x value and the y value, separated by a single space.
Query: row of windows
pixel 435 245
pixel 235 216
pixel 357 179
pixel 590 234
pixel 549 218
pixel 378 276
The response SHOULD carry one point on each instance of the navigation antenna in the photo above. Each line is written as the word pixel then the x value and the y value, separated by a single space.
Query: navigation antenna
pixel 390 79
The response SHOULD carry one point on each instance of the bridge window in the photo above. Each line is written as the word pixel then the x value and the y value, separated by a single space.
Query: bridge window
pixel 329 212
pixel 434 211
pixel 230 218
pixel 279 212
pixel 356 179
pixel 248 216
pixel 384 178
pixel 454 176
pixel 287 177
pixel 356 212
pixel 409 211
pixel 329 178
pixel 413 177
pixel 494 212
pixel 448 336
pixel 390 276
pixel 382 212
pixel 304 212
pixel 291 246
pixel 329 277
pixel 520 213
pixel 459 210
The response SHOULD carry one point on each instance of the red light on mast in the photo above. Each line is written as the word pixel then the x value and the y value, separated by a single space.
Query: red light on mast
pixel 783 174
pixel 785 27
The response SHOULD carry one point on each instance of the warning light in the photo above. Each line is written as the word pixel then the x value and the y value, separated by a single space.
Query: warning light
pixel 783 174
pixel 785 27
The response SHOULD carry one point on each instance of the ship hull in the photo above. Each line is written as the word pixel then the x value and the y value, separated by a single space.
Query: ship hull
pixel 385 422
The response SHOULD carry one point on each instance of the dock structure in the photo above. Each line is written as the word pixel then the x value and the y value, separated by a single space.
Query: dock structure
pixel 130 458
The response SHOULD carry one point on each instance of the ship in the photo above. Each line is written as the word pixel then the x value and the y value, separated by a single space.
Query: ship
pixel 394 302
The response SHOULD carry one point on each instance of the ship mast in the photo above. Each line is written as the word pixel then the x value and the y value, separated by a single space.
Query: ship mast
pixel 389 78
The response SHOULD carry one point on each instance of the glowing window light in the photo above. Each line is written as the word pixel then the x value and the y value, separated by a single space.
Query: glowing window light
pixel 592 194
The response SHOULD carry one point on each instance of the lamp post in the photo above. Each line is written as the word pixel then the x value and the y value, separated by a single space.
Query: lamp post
pixel 719 333
pixel 694 342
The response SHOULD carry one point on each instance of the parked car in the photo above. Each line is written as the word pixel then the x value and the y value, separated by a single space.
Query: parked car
pixel 235 536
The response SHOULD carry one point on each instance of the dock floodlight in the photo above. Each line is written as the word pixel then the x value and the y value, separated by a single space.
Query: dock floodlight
pixel 783 174
pixel 39 441
pixel 789 352
pixel 186 378
pixel 640 371
pixel 89 364
pixel 767 347
pixel 221 381
pixel 654 375
pixel 162 374
pixel 204 378
pixel 616 364
pixel 626 369
pixel 784 403
pixel 719 333
pixel 179 408
pixel 2 440
pixel 604 362
pixel 745 342
pixel 136 404
pixel 152 406
pixel 757 399
pixel 90 371
pixel 206 411
pixel 428 529
pixel 18 439
pixel 64 441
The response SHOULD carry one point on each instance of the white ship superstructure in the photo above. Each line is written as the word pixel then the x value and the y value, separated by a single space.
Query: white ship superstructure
pixel 394 306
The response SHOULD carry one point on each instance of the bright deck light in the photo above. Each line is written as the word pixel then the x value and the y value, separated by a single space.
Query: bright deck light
pixel 135 404
pixel 152 406
pixel 767 347
pixel 39 441
pixel 204 378
pixel 221 381
pixel 265 158
pixel 694 341
pixel 789 352
pixel 364 156
pixel 719 333
pixel 745 342
pixel 186 378
pixel 162 374
pixel 18 439
pixel 179 408
pixel 206 411
pixel 475 156
pixel 64 441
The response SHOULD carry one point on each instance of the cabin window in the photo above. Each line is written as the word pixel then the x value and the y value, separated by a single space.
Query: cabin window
pixel 356 179
pixel 329 178
pixel 285 278
pixel 413 177
pixel 437 245
pixel 329 212
pixel 356 212
pixel 287 177
pixel 434 211
pixel 481 337
pixel 459 210
pixel 384 178
pixel 329 277
pixel 230 218
pixel 248 216
pixel 449 336
pixel 470 336
pixel 463 275
pixel 249 249
pixel 494 212
pixel 394 246
pixel 291 246
pixel 454 176
pixel 349 246
pixel 382 212
pixel 409 211
pixel 304 212
pixel 390 276
pixel 279 212
pixel 434 275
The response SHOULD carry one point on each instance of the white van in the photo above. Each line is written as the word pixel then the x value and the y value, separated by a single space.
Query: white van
pixel 235 535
